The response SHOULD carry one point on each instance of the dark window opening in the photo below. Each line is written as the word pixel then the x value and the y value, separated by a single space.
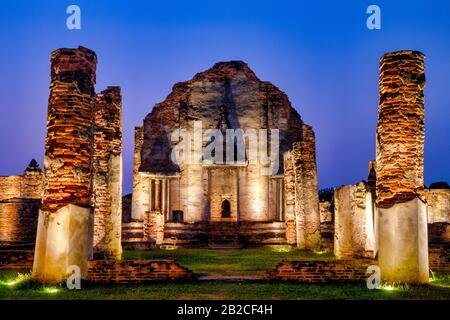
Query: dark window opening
pixel 177 216
pixel 226 209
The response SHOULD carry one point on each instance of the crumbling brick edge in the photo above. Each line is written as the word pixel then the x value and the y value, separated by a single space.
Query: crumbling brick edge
pixel 320 271
pixel 135 271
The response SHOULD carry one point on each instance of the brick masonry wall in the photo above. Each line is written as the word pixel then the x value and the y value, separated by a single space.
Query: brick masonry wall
pixel 107 172
pixel 10 187
pixel 400 130
pixel 153 225
pixel 306 190
pixel 18 221
pixel 223 185
pixel 439 256
pixel 321 271
pixel 20 199
pixel 135 271
pixel 16 259
pixel 438 232
pixel 68 145
pixel 289 198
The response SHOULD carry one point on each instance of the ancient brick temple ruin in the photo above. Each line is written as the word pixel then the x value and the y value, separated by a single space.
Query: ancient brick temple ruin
pixel 234 203
pixel 72 210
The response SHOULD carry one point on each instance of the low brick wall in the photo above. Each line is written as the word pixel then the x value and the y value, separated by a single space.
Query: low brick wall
pixel 135 271
pixel 321 271
pixel 439 256
pixel 18 221
pixel 16 259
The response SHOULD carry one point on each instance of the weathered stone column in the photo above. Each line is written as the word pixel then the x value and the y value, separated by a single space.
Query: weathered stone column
pixel 289 198
pixel 403 244
pixel 306 191
pixel 353 222
pixel 107 179
pixel 141 187
pixel 65 219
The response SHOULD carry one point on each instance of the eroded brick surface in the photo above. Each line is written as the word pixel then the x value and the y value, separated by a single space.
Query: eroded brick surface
pixel 135 271
pixel 68 145
pixel 400 131
pixel 321 271
pixel 107 172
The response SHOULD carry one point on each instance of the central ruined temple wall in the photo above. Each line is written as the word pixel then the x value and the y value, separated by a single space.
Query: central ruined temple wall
pixel 229 94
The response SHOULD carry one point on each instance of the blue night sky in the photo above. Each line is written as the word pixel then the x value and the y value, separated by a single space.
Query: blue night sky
pixel 319 52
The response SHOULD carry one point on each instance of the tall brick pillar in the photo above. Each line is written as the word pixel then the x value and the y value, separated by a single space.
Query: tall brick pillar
pixel 403 244
pixel 306 191
pixel 65 219
pixel 107 173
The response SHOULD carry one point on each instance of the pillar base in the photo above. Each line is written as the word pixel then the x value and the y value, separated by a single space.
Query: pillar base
pixel 63 239
pixel 403 243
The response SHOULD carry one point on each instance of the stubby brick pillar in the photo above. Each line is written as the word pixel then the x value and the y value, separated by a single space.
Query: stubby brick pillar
pixel 289 198
pixel 65 219
pixel 107 173
pixel 306 191
pixel 403 245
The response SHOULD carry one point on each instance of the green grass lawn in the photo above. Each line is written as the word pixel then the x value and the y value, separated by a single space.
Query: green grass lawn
pixel 438 289
pixel 251 261
pixel 221 262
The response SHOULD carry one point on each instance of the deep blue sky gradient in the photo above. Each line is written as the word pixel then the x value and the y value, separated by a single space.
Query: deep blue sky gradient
pixel 319 52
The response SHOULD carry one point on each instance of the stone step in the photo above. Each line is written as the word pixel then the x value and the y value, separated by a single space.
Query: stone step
pixel 223 235
pixel 135 224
